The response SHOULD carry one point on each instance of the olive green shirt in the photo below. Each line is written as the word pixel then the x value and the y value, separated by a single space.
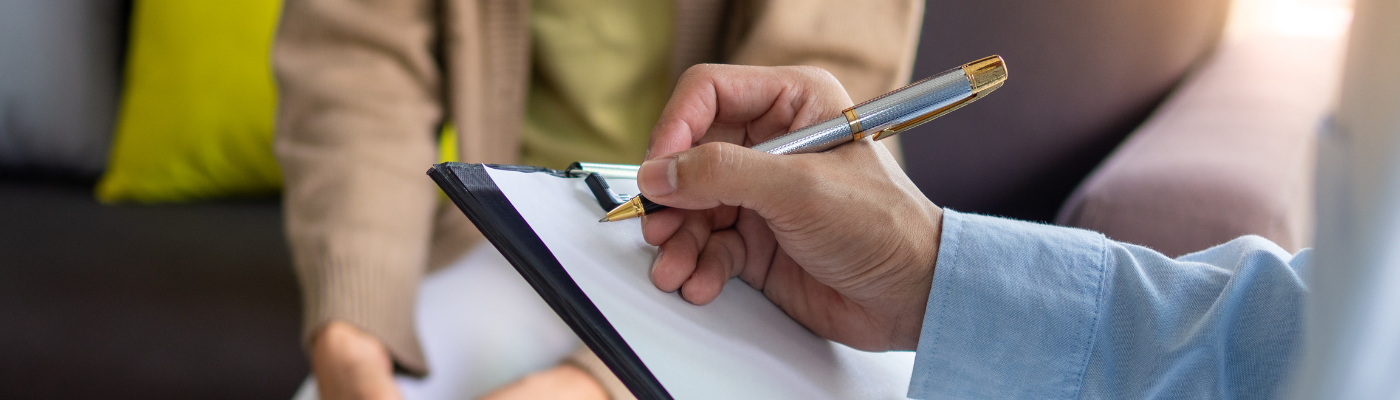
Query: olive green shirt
pixel 600 77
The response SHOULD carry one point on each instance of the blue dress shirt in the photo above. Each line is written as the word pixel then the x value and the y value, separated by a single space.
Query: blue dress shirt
pixel 1029 311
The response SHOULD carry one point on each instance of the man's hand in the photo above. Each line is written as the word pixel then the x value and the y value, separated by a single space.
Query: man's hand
pixel 351 364
pixel 842 241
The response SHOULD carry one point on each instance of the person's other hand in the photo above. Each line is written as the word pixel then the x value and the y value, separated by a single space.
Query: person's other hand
pixel 563 382
pixel 351 364
pixel 842 241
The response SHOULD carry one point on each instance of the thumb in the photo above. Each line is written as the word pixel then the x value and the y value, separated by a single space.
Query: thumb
pixel 718 173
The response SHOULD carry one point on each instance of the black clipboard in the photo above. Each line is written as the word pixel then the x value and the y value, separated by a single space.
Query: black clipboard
pixel 473 191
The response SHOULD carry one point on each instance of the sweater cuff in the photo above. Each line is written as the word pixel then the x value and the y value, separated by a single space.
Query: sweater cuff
pixel 1012 311
pixel 371 295
pixel 584 359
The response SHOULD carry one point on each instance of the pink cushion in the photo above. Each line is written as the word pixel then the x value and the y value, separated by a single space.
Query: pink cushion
pixel 1230 153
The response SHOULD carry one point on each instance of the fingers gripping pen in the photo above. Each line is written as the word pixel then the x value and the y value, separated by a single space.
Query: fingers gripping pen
pixel 880 117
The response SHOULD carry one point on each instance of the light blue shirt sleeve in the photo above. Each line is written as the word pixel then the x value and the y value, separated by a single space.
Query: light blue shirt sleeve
pixel 1020 310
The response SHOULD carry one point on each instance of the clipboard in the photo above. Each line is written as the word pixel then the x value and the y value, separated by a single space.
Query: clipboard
pixel 769 354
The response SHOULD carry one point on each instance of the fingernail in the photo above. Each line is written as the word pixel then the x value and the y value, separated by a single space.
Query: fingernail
pixel 655 262
pixel 657 177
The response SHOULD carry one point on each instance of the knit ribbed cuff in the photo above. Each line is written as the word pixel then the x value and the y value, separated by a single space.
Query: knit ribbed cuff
pixel 375 294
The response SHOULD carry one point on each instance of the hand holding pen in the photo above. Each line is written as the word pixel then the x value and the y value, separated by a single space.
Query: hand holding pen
pixel 841 240
pixel 878 118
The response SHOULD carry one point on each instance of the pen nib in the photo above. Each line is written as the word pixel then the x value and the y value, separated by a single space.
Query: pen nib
pixel 631 209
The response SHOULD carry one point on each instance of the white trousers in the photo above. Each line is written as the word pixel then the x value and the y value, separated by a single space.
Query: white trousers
pixel 481 327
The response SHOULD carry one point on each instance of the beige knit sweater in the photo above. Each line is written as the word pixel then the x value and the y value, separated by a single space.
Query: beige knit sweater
pixel 366 84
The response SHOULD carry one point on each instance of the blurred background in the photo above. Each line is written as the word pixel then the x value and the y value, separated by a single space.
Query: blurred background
pixel 141 244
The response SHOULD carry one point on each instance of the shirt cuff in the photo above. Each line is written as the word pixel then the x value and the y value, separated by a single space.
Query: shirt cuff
pixel 1012 311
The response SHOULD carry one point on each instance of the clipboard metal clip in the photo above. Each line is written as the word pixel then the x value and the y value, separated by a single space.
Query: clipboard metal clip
pixel 596 176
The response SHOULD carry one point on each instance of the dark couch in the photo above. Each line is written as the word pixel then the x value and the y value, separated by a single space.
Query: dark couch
pixel 183 301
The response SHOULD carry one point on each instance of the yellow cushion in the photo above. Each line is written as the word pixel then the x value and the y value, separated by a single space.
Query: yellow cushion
pixel 447 144
pixel 198 103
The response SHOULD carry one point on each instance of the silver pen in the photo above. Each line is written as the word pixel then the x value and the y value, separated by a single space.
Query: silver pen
pixel 879 118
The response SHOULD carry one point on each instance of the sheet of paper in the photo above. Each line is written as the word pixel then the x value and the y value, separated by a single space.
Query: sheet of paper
pixel 740 346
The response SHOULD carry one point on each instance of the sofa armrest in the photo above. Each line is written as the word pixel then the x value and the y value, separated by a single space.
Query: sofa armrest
pixel 1230 153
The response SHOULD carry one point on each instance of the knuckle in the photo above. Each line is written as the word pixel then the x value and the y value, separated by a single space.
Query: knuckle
pixel 816 74
pixel 715 160
pixel 696 71
pixel 822 88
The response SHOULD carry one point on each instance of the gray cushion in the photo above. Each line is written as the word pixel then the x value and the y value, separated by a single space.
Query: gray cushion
pixel 60 63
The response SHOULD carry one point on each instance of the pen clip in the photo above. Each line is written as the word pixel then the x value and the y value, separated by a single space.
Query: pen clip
pixel 891 129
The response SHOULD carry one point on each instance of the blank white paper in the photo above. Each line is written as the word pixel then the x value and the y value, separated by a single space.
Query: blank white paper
pixel 740 346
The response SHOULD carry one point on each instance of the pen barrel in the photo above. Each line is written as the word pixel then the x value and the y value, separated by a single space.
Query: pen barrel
pixel 811 139
pixel 880 117
pixel 649 207
pixel 898 107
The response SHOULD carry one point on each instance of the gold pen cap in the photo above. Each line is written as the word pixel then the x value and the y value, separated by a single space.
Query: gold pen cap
pixel 896 111
pixel 986 74
pixel 971 81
